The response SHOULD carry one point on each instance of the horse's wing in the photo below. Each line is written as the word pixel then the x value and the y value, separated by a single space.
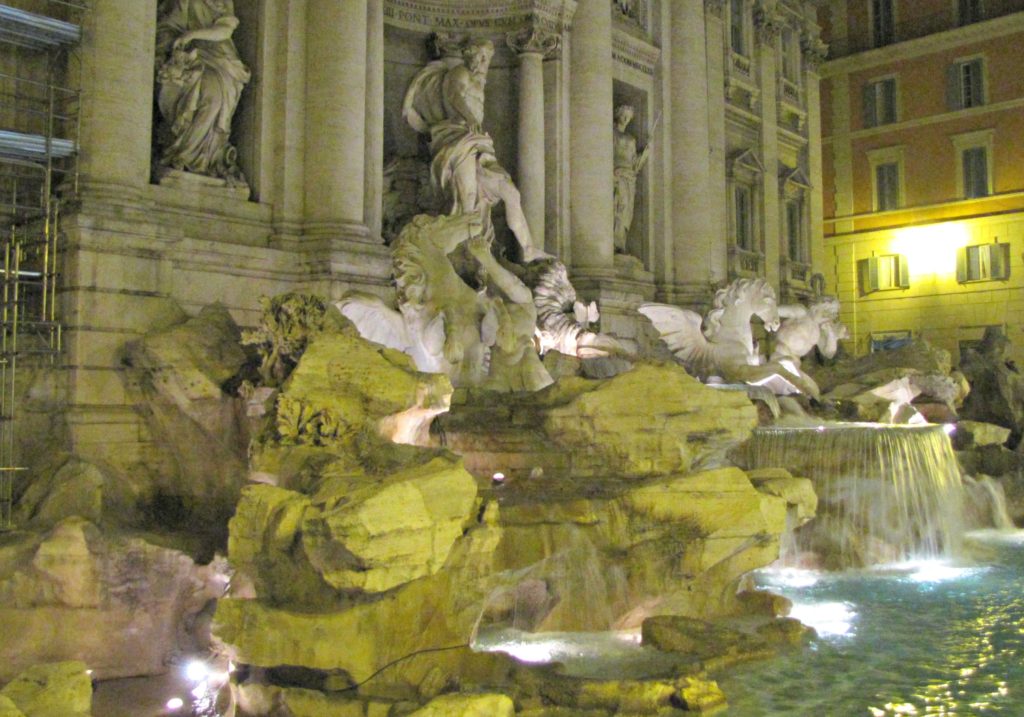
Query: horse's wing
pixel 374 320
pixel 680 330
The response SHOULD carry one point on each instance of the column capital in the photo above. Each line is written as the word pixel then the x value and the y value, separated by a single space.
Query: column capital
pixel 815 51
pixel 767 20
pixel 714 7
pixel 533 40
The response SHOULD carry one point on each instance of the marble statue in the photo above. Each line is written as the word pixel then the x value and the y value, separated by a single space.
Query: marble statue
pixel 200 78
pixel 442 323
pixel 804 327
pixel 722 345
pixel 446 101
pixel 476 337
pixel 514 364
pixel 628 164
pixel 563 322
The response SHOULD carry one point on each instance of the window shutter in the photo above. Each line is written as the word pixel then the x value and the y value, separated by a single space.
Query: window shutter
pixel 889 105
pixel 961 264
pixel 953 100
pixel 1000 254
pixel 904 272
pixel 977 83
pixel 868 271
pixel 870 106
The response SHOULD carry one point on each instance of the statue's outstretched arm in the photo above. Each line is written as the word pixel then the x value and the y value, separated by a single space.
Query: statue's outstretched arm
pixel 505 281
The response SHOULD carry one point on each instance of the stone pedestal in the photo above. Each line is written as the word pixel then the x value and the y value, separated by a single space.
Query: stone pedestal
pixel 201 184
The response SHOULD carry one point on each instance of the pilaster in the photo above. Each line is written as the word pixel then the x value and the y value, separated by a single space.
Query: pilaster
pixel 768 31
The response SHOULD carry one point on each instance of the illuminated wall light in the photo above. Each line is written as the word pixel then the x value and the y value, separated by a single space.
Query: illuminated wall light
pixel 932 249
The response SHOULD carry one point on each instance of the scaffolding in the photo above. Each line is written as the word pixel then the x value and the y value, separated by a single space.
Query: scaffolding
pixel 39 129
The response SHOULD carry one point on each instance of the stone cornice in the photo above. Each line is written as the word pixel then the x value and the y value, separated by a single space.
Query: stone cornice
pixel 494 16
pixel 634 52
pixel 929 44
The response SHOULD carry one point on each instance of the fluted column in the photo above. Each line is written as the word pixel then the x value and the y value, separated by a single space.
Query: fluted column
pixel 691 174
pixel 532 45
pixel 591 183
pixel 336 79
pixel 117 97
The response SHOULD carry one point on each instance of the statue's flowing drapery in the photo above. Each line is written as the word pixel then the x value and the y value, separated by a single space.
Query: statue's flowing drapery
pixel 200 85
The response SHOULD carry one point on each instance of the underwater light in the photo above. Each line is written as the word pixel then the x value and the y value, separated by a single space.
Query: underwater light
pixel 949 428
pixel 175 703
pixel 790 577
pixel 498 477
pixel 833 619
pixel 197 671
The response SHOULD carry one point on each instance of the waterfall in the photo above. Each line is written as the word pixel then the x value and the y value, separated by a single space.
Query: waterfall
pixel 886 493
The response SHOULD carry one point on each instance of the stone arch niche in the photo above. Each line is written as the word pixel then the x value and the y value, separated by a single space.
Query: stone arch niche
pixel 636 54
pixel 418 31
pixel 246 122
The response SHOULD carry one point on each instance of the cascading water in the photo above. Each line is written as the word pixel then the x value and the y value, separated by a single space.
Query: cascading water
pixel 886 493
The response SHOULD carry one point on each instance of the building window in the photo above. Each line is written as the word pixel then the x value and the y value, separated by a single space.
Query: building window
pixel 887 186
pixel 882 273
pixel 738 27
pixel 883 22
pixel 974 163
pixel 743 216
pixel 975 171
pixel 880 102
pixel 983 262
pixel 795 245
pixel 970 11
pixel 966 84
pixel 790 55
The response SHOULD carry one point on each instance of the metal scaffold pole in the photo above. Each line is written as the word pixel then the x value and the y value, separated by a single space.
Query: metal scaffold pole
pixel 39 126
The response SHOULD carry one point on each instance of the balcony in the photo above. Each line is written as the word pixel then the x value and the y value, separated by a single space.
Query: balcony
pixel 912 27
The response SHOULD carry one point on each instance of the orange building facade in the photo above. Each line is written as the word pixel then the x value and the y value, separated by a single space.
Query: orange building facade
pixel 923 169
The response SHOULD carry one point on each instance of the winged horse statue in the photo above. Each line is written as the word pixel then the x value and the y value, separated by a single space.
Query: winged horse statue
pixel 722 344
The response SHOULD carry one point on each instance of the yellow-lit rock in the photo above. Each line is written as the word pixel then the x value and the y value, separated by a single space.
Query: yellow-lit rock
pixel 8 708
pixel 653 420
pixel 797 492
pixel 375 533
pixel 59 689
pixel 467 705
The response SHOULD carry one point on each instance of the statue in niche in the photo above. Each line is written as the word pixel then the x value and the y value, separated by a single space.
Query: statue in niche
pixel 200 78
pixel 628 165
pixel 446 100
pixel 722 345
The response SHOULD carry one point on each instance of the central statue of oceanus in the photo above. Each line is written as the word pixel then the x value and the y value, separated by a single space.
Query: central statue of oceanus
pixel 722 344
pixel 446 101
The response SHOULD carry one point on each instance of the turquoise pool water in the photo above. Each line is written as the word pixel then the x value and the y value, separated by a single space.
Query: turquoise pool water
pixel 925 639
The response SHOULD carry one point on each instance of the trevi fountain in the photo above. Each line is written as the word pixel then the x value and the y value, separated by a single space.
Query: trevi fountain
pixel 466 490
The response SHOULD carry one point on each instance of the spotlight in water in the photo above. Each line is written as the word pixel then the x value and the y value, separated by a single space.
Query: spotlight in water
pixel 175 703
pixel 829 619
pixel 790 577
pixel 498 477
pixel 949 428
pixel 197 671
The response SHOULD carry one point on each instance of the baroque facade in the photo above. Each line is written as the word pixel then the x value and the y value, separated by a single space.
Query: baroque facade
pixel 321 169
pixel 924 211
